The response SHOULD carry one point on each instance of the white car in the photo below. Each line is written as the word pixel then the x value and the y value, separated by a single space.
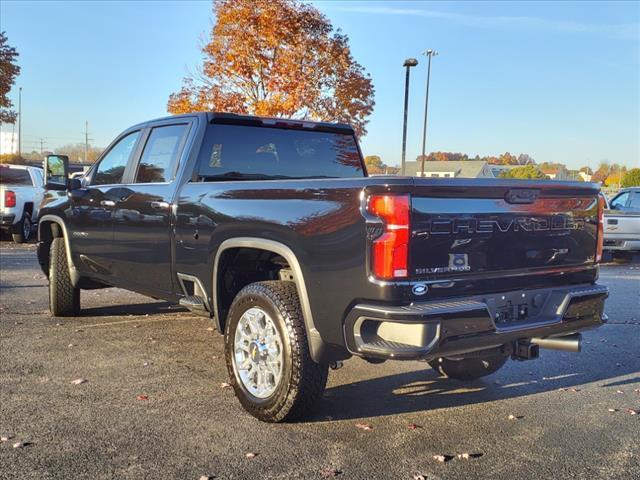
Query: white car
pixel 622 221
pixel 21 191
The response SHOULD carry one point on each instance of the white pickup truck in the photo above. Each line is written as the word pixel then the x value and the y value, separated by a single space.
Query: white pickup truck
pixel 21 191
pixel 622 221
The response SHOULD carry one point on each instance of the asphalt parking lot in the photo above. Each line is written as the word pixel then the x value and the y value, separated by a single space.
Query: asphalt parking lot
pixel 152 405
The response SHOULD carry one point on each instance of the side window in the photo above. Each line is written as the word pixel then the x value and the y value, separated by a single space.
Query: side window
pixel 37 177
pixel 620 201
pixel 111 167
pixel 635 202
pixel 160 154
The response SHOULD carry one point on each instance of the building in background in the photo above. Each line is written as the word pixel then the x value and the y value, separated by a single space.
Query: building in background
pixel 8 143
pixel 450 169
pixel 585 176
pixel 555 171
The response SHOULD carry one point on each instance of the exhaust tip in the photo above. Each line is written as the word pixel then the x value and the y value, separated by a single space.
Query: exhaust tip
pixel 567 343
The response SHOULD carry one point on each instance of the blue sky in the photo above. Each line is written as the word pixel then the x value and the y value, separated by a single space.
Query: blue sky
pixel 559 81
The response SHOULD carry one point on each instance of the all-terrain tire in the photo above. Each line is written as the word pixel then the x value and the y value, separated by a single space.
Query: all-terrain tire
pixel 302 381
pixel 64 298
pixel 469 368
pixel 23 229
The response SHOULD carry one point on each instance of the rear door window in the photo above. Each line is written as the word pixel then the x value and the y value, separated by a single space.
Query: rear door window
pixel 14 176
pixel 160 156
pixel 635 202
pixel 247 152
pixel 112 166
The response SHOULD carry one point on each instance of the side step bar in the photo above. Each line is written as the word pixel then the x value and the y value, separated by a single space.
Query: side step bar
pixel 194 303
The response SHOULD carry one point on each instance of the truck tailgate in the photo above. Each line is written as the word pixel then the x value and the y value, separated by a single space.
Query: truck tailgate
pixel 500 226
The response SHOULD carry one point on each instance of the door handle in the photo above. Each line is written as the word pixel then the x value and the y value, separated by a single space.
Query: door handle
pixel 108 203
pixel 159 205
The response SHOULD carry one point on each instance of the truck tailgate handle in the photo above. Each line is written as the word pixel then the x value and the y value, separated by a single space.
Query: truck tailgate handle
pixel 521 195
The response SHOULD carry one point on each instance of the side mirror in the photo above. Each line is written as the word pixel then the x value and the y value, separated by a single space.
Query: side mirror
pixel 56 172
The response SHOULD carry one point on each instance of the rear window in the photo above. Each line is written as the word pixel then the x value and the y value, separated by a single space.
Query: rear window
pixel 14 176
pixel 246 152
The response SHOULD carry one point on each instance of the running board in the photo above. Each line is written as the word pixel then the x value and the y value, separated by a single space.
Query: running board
pixel 194 304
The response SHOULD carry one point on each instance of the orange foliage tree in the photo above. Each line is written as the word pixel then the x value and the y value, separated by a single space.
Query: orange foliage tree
pixel 278 58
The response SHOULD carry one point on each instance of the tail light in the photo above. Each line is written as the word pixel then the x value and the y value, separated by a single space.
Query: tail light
pixel 9 199
pixel 390 251
pixel 600 228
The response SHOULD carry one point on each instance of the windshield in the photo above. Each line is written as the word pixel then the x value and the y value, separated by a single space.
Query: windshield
pixel 247 152
pixel 14 176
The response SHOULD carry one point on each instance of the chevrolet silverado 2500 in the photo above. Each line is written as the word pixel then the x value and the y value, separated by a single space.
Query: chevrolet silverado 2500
pixel 273 229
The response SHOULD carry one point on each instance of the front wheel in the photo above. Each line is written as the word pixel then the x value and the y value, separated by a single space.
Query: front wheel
pixel 22 230
pixel 267 353
pixel 64 298
pixel 469 368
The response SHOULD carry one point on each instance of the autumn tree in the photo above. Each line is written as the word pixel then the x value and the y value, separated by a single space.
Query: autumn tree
pixel 279 58
pixel 9 70
pixel 524 172
pixel 374 164
pixel 631 178
pixel 75 152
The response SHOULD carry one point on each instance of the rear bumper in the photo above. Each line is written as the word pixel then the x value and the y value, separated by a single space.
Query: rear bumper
pixel 452 327
pixel 7 220
pixel 622 244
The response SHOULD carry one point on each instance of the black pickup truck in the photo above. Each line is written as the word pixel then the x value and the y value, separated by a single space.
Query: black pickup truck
pixel 273 229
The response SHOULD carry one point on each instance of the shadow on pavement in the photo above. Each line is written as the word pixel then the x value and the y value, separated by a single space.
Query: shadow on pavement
pixel 425 390
pixel 135 309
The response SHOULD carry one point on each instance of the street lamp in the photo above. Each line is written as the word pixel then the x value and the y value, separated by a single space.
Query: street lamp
pixel 408 63
pixel 429 53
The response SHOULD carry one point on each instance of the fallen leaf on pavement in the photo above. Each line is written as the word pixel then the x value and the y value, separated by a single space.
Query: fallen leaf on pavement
pixel 206 477
pixel 364 426
pixel 619 391
pixel 468 456
pixel 224 385
pixel 6 438
pixel 413 426
pixel 442 458
pixel 419 476
pixel 210 329
pixel 515 417
pixel 613 410
pixel 21 444
pixel 251 455
pixel 329 472
pixel 631 411
pixel 142 397
pixel 79 381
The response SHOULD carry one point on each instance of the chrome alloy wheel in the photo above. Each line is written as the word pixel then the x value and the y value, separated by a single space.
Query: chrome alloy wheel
pixel 258 357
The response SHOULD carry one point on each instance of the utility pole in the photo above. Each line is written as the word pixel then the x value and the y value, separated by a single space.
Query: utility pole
pixel 408 63
pixel 42 146
pixel 20 122
pixel 86 141
pixel 429 53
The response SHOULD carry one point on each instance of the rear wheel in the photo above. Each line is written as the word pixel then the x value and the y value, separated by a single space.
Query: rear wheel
pixel 469 368
pixel 64 298
pixel 23 229
pixel 267 353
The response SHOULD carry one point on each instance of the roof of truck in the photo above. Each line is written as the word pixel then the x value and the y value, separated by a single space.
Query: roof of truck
pixel 237 119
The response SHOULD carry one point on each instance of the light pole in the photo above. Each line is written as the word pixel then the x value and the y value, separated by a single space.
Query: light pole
pixel 408 63
pixel 20 122
pixel 429 53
